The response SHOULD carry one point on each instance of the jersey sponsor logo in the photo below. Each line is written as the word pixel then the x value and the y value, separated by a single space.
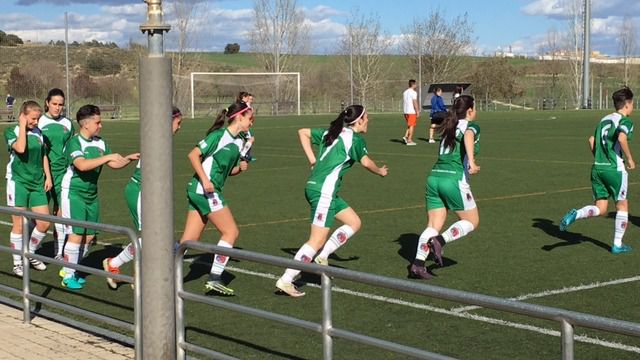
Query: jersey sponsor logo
pixel 342 237
pixel 305 259
pixel 214 202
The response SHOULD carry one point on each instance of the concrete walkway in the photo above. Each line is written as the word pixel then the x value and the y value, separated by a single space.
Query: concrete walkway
pixel 45 339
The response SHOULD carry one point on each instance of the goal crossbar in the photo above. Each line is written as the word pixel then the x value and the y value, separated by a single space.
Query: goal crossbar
pixel 193 74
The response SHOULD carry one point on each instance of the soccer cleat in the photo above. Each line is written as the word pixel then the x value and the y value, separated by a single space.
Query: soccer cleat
pixel 17 270
pixel 404 139
pixel 622 249
pixel 59 257
pixel 219 287
pixel 321 261
pixel 432 141
pixel 288 288
pixel 419 272
pixel 436 248
pixel 62 274
pixel 113 284
pixel 72 283
pixel 38 265
pixel 411 143
pixel 568 219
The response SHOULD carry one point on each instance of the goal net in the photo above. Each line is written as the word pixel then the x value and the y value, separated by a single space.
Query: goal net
pixel 274 93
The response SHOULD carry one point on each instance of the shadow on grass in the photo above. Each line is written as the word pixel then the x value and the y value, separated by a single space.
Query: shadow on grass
pixel 399 141
pixel 569 238
pixel 262 349
pixel 332 258
pixel 201 265
pixel 635 220
pixel 408 244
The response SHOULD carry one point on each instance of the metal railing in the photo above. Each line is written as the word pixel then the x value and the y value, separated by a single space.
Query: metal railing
pixel 27 296
pixel 567 319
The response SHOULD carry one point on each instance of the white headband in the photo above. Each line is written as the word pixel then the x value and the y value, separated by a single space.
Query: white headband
pixel 359 117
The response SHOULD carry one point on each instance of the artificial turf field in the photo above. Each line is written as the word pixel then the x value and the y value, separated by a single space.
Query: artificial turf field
pixel 535 166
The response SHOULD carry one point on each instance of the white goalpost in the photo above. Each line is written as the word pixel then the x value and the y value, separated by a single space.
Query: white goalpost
pixel 261 89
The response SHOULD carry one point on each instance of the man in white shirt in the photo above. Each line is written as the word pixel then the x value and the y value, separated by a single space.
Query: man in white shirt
pixel 411 111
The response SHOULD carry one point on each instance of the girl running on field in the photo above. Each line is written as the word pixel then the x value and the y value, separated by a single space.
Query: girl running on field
pixel 57 130
pixel 86 153
pixel 133 197
pixel 215 158
pixel 340 147
pixel 448 187
pixel 28 180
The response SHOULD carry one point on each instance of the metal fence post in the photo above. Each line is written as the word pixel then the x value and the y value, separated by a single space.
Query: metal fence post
pixel 567 340
pixel 26 290
pixel 180 338
pixel 327 342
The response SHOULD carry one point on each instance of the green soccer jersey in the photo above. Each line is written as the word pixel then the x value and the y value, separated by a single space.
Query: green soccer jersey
pixel 137 174
pixel 606 151
pixel 454 162
pixel 56 135
pixel 28 167
pixel 334 160
pixel 220 154
pixel 83 183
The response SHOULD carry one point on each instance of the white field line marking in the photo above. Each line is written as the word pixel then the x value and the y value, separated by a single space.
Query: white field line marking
pixel 463 315
pixel 564 290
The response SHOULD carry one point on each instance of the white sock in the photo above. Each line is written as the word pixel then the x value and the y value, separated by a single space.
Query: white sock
pixel 337 239
pixel 621 227
pixel 71 255
pixel 220 261
pixel 305 254
pixel 85 249
pixel 587 212
pixel 36 240
pixel 60 237
pixel 423 249
pixel 124 257
pixel 16 243
pixel 459 229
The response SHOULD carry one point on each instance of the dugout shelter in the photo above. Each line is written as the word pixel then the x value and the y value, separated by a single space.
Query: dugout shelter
pixel 447 93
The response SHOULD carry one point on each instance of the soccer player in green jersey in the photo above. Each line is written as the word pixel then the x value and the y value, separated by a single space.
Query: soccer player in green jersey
pixel 448 187
pixel 57 130
pixel 215 158
pixel 340 147
pixel 132 195
pixel 86 153
pixel 609 178
pixel 28 180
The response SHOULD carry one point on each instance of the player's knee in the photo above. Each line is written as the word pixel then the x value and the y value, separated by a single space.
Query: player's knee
pixel 231 235
pixel 42 226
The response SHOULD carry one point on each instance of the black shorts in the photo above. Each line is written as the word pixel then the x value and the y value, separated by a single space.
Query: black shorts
pixel 438 117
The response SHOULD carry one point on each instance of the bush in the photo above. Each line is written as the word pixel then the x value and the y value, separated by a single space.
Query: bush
pixel 232 48
pixel 99 64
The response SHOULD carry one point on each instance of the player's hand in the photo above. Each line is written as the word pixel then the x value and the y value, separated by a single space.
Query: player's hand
pixel 22 120
pixel 47 185
pixel 134 156
pixel 631 164
pixel 243 165
pixel 384 170
pixel 118 161
pixel 473 169
pixel 207 186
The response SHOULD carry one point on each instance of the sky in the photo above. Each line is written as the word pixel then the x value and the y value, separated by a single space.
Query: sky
pixel 519 25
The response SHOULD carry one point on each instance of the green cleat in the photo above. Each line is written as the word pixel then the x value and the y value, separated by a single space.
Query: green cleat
pixel 218 287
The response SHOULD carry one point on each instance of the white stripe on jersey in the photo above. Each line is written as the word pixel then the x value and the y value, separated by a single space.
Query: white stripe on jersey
pixel 207 163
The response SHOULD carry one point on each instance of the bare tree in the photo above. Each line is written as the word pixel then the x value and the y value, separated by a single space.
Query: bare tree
pixel 574 41
pixel 627 44
pixel 364 44
pixel 550 53
pixel 439 43
pixel 279 32
pixel 184 14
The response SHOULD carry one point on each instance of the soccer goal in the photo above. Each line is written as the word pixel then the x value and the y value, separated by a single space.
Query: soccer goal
pixel 274 93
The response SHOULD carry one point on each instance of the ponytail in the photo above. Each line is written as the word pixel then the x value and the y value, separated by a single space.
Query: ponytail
pixel 458 112
pixel 228 114
pixel 348 116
